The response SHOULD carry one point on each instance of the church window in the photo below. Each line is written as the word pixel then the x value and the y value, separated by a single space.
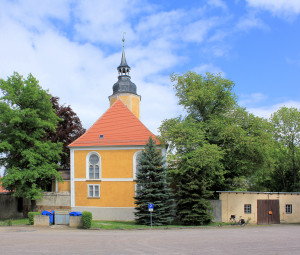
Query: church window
pixel 93 166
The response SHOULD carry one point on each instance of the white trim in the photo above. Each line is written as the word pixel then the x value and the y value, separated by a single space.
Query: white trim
pixel 72 160
pixel 134 163
pixel 101 148
pixel 105 180
pixel 88 191
pixel 103 207
pixel 88 165
pixel 117 179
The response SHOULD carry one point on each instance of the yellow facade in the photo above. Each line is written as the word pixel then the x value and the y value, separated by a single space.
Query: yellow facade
pixel 63 186
pixel 114 163
pixel 132 102
pixel 233 204
pixel 117 186
pixel 112 194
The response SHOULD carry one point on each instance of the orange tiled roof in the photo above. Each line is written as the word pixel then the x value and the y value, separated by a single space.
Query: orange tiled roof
pixel 119 126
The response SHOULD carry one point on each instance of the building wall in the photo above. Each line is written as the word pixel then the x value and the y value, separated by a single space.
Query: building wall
pixel 132 101
pixel 113 214
pixel 112 194
pixel 216 210
pixel 114 163
pixel 63 186
pixel 10 207
pixel 117 186
pixel 233 204
pixel 54 201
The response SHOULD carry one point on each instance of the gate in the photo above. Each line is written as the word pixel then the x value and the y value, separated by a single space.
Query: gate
pixel 61 218
pixel 268 211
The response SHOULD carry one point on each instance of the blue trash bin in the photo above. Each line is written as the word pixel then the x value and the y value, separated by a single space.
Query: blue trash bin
pixel 75 214
pixel 50 214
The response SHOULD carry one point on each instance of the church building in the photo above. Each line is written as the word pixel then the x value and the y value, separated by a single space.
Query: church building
pixel 104 158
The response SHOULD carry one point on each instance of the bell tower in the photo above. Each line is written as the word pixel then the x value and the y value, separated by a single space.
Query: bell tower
pixel 124 89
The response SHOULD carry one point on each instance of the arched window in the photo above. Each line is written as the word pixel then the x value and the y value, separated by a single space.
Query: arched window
pixel 136 164
pixel 93 166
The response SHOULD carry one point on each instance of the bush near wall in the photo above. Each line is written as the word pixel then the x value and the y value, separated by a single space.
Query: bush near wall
pixel 31 217
pixel 87 218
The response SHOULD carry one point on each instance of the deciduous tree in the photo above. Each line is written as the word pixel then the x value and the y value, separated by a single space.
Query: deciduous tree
pixel 286 123
pixel 29 158
pixel 69 128
pixel 216 145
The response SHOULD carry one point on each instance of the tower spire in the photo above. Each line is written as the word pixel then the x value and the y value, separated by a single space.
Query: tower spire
pixel 123 68
pixel 124 89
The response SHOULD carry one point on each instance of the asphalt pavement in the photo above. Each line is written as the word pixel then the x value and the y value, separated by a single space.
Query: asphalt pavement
pixel 274 239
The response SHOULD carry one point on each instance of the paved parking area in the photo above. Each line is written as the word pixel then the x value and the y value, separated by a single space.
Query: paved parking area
pixel 275 239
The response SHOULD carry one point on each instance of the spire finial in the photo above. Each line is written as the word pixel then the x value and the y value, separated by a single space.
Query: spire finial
pixel 123 39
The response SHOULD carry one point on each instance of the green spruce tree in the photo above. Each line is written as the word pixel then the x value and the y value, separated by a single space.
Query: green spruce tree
pixel 152 187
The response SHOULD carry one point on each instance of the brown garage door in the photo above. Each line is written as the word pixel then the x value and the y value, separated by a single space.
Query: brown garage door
pixel 268 212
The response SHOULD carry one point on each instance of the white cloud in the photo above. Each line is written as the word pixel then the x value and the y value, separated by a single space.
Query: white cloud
pixel 82 75
pixel 277 7
pixel 161 24
pixel 266 111
pixel 104 21
pixel 250 100
pixel 198 30
pixel 70 46
pixel 217 3
pixel 202 69
pixel 35 14
pixel 250 21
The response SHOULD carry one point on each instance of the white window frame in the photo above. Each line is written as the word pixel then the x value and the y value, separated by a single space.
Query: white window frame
pixel 135 156
pixel 93 186
pixel 288 208
pixel 247 208
pixel 88 165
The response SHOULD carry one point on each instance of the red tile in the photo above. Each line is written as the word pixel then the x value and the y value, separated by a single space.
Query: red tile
pixel 119 126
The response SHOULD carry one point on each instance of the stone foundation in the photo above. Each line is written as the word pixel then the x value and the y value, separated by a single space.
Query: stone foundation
pixel 108 213
pixel 75 222
pixel 41 221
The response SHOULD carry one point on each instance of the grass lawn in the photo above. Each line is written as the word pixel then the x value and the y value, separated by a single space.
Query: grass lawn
pixel 11 222
pixel 110 224
pixel 132 225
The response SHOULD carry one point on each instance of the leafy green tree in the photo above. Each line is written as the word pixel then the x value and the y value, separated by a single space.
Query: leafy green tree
pixel 246 141
pixel 217 145
pixel 151 181
pixel 26 114
pixel 286 123
pixel 69 128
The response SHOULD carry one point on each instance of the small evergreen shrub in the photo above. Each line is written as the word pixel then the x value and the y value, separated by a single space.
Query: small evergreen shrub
pixel 87 219
pixel 31 217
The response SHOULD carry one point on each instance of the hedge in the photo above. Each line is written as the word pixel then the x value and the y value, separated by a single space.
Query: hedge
pixel 87 219
pixel 31 217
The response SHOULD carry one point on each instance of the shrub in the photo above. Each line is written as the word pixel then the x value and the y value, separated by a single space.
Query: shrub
pixel 31 217
pixel 9 222
pixel 87 219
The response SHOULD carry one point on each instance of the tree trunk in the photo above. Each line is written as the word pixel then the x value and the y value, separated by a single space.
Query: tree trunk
pixel 33 205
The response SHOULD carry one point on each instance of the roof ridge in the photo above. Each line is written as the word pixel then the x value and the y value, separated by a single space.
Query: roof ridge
pixel 119 126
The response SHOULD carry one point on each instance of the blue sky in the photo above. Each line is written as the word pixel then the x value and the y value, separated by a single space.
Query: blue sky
pixel 73 48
